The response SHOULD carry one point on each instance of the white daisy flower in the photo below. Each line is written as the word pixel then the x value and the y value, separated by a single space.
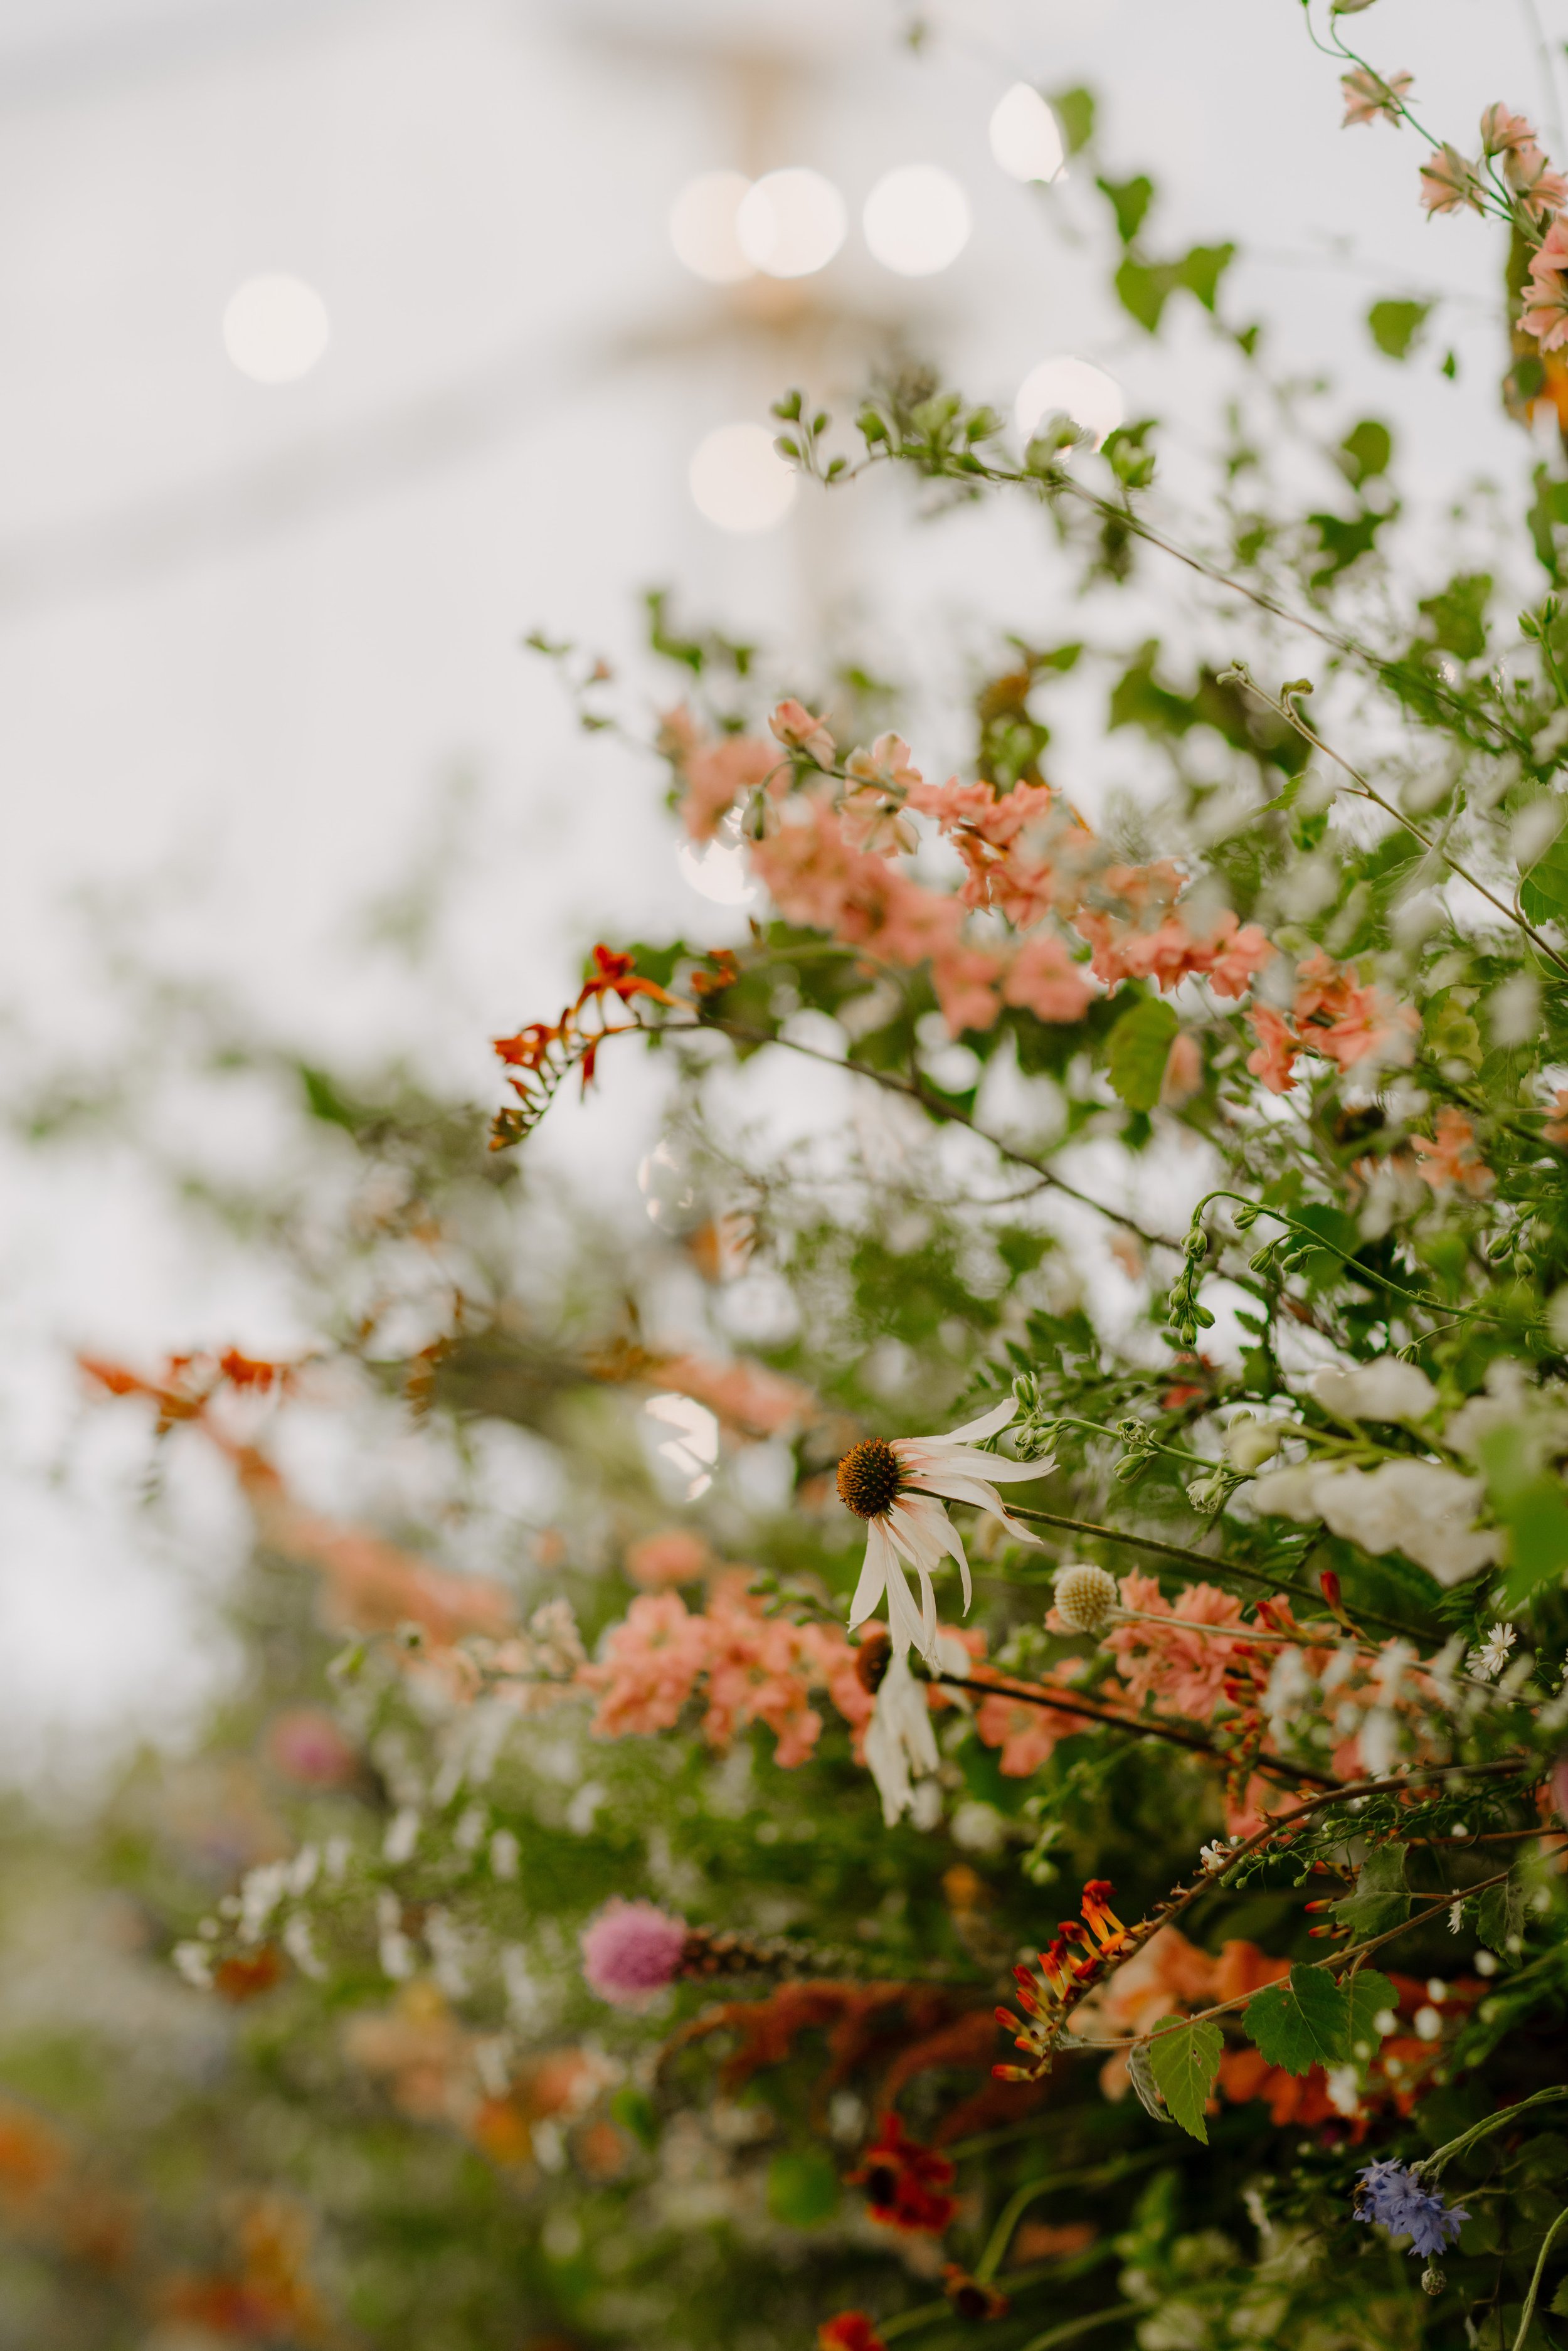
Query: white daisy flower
pixel 1487 1662
pixel 894 1488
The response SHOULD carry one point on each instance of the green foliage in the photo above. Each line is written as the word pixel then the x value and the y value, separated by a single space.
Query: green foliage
pixel 1300 2023
pixel 1395 326
pixel 1137 1050
pixel 1074 112
pixel 1185 2061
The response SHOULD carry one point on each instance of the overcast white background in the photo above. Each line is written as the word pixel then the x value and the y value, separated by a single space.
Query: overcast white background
pixel 248 636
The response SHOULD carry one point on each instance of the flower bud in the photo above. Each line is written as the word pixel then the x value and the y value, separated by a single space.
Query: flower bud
pixel 1249 1443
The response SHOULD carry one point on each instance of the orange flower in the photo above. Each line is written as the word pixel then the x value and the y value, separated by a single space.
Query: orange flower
pixel 905 2183
pixel 1453 1157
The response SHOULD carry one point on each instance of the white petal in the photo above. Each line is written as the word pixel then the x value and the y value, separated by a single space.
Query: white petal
pixel 983 1496
pixel 986 1426
pixel 873 1574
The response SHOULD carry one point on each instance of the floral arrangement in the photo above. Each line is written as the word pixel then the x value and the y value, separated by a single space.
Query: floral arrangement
pixel 654 1891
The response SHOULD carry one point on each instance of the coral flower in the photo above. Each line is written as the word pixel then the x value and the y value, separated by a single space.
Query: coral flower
pixel 1368 95
pixel 894 1487
pixel 1448 182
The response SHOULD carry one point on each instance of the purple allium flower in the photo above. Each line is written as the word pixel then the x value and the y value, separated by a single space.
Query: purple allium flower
pixel 632 1950
pixel 1393 2196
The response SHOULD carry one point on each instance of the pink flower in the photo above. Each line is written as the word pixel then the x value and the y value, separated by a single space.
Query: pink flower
pixel 1239 955
pixel 676 1557
pixel 1539 188
pixel 1045 980
pixel 306 1744
pixel 1345 1022
pixel 1503 133
pixel 875 824
pixel 1545 314
pixel 650 1667
pixel 632 1950
pixel 714 772
pixel 1027 1734
pixel 794 727
pixel 1556 1128
pixel 1367 95
pixel 966 980
pixel 1274 1057
pixel 1453 1157
pixel 1184 1671
pixel 1184 1070
pixel 1448 182
pixel 887 764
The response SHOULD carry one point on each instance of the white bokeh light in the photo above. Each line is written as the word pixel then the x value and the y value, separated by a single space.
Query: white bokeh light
pixel 702 227
pixel 791 223
pixel 692 1449
pixel 1071 387
pixel 1025 139
pixel 718 872
pixel 275 328
pixel 916 220
pixel 739 481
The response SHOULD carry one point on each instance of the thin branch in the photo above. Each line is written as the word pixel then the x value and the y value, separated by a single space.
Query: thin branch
pixel 1140 1727
pixel 1208 1563
pixel 912 1091
pixel 1283 708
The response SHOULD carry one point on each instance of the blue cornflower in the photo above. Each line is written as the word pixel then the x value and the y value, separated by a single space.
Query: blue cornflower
pixel 1392 2195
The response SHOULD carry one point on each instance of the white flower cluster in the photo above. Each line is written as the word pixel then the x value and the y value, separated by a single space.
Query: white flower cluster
pixel 1414 1507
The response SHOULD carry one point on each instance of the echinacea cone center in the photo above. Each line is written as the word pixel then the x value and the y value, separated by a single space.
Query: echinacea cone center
pixel 870 1477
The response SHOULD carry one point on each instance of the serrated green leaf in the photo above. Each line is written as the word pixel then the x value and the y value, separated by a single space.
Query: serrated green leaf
pixel 1146 2089
pixel 1380 1900
pixel 1300 2023
pixel 1184 2060
pixel 1368 1994
pixel 1138 1048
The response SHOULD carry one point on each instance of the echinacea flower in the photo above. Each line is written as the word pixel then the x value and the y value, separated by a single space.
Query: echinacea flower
pixel 632 1950
pixel 894 1488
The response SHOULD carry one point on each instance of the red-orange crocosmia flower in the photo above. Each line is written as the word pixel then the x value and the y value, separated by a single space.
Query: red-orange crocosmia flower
pixel 905 2182
pixel 852 2330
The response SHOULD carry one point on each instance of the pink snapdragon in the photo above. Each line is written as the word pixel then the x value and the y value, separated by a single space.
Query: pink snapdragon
pixel 1182 1670
pixel 1545 313
pixel 1448 182
pixel 1503 133
pixel 1452 1159
pixel 1043 980
pixel 1368 96
pixel 1273 1058
pixel 794 725
pixel 632 1950
pixel 1540 189
pixel 650 1667
pixel 677 1556
pixel 715 772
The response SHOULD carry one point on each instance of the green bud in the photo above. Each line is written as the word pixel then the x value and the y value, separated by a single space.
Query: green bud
pixel 787 406
pixel 787 448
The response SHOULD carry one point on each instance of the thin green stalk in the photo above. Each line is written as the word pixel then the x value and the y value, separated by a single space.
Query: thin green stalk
pixel 1431 2165
pixel 1535 2281
pixel 1074 2327
pixel 1098 2175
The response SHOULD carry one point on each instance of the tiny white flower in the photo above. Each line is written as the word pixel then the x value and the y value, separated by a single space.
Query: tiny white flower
pixel 1487 1662
pixel 1344 2088
pixel 896 1488
pixel 396 1952
pixel 195 1964
pixel 401 1836
pixel 300 1944
pixel 1214 1857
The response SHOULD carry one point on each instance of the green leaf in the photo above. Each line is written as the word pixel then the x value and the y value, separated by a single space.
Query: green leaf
pixel 1368 1995
pixel 1500 1914
pixel 1201 268
pixel 1143 288
pixel 1365 451
pixel 1529 1500
pixel 1394 326
pixel 1130 200
pixel 634 2110
pixel 1138 1049
pixel 1380 1900
pixel 1185 2059
pixel 1543 891
pixel 1345 541
pixel 802 2189
pixel 1146 2089
pixel 1457 614
pixel 1300 2023
pixel 1074 112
